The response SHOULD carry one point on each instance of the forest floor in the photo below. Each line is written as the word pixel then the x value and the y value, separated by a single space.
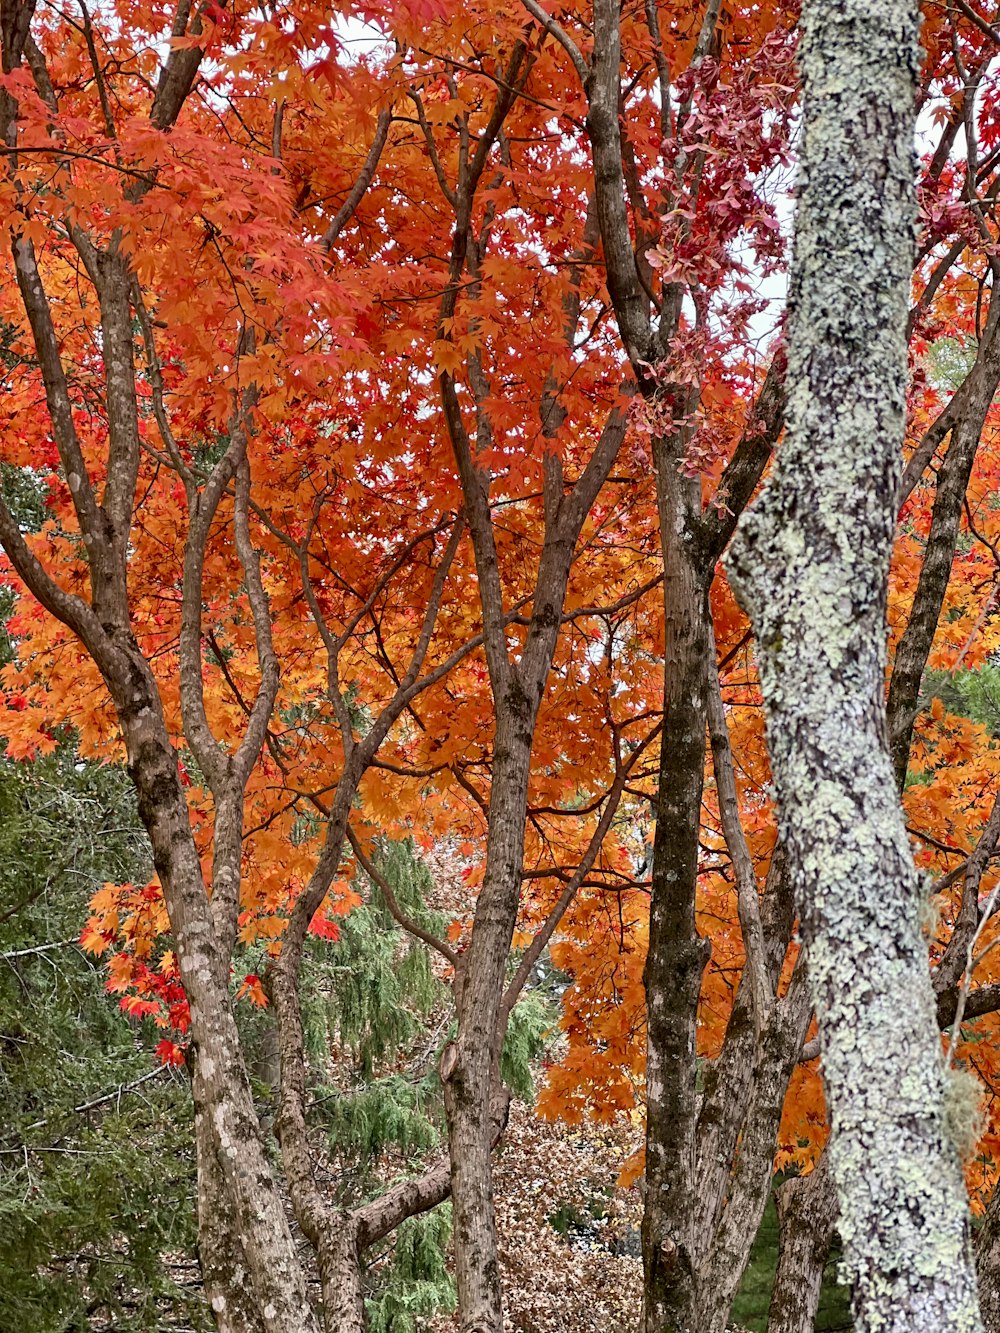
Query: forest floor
pixel 569 1234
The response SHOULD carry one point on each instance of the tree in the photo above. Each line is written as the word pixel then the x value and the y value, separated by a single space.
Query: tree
pixel 353 362
pixel 812 561
pixel 728 1172
pixel 201 513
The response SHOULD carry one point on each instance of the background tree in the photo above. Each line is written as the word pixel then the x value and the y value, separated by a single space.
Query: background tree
pixel 385 537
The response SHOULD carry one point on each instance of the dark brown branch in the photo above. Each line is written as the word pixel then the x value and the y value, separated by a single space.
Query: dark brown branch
pixel 178 74
pixel 953 480
pixel 987 29
pixel 349 207
pixel 575 882
pixel 747 892
pixel 391 901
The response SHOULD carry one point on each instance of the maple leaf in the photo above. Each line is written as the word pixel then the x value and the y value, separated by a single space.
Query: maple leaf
pixel 169 1053
pixel 253 988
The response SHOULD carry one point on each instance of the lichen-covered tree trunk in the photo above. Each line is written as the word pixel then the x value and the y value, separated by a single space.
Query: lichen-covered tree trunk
pixel 220 1085
pixel 811 564
pixel 220 1252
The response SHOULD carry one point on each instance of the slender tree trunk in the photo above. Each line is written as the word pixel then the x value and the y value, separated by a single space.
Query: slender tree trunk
pixel 469 1062
pixel 751 1161
pixel 952 484
pixel 811 564
pixel 677 1230
pixel 807 1210
pixel 988 1265
pixel 340 1277
pixel 677 956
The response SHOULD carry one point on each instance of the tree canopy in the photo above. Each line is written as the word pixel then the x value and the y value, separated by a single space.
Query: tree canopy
pixel 382 387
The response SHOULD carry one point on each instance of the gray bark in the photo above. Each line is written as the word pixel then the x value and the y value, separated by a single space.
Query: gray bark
pixel 750 1160
pixel 810 562
pixel 227 1286
pixel 807 1209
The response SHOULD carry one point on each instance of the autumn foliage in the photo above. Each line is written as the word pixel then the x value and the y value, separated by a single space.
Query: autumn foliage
pixel 307 269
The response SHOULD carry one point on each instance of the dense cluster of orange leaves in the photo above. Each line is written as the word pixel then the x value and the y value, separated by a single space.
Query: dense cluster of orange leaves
pixel 355 493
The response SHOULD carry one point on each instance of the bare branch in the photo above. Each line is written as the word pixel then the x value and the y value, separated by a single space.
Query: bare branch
pixel 208 751
pixel 559 33
pixel 987 29
pixel 65 606
pixel 38 949
pixel 576 880
pixel 978 862
pixel 360 186
pixel 177 76
pixel 746 467
pixel 260 714
pixel 391 901
pixel 602 83
pixel 57 397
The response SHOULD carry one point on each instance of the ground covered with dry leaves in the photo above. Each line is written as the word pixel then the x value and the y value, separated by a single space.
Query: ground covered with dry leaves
pixel 569 1235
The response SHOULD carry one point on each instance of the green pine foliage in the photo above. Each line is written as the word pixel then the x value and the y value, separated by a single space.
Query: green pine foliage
pixel 531 1021
pixel 370 1000
pixel 417 1284
pixel 949 361
pixel 85 1222
pixel 974 694
pixel 393 1112
pixel 369 993
pixel 979 693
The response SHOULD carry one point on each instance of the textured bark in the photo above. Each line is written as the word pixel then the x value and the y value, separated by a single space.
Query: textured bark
pixel 988 1265
pixel 223 1101
pixel 678 1230
pixel 952 484
pixel 469 1070
pixel 677 956
pixel 811 564
pixel 220 1253
pixel 221 1088
pixel 470 1074
pixel 807 1210
pixel 340 1277
pixel 750 1160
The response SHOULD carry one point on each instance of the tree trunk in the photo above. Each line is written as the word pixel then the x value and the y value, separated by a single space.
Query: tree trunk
pixel 807 1211
pixel 469 1062
pixel 220 1085
pixel 988 1265
pixel 751 1161
pixel 340 1275
pixel 935 572
pixel 223 1263
pixel 811 564
pixel 677 956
